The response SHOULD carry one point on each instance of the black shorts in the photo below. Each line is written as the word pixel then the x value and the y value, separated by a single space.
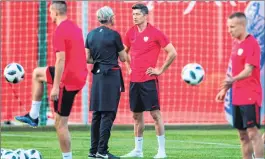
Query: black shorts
pixel 144 96
pixel 65 102
pixel 246 116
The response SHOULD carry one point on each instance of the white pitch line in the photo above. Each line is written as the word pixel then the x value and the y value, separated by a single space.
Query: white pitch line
pixel 167 140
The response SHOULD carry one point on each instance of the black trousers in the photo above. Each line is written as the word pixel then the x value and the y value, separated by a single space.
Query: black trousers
pixel 102 122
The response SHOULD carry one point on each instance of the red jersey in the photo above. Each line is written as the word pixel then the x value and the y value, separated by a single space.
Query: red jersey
pixel 144 50
pixel 248 90
pixel 69 39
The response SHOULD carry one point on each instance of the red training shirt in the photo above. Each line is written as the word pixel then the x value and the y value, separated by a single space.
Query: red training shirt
pixel 144 50
pixel 248 90
pixel 69 39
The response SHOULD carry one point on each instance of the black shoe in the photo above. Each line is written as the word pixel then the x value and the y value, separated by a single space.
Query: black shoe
pixel 107 155
pixel 92 155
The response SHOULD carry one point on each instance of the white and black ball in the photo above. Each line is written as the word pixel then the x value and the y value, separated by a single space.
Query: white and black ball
pixel 14 73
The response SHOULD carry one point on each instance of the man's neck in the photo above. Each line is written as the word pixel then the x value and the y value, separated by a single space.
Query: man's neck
pixel 60 20
pixel 242 37
pixel 142 26
pixel 107 25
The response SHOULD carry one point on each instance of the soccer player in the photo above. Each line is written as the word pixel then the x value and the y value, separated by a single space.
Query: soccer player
pixel 245 81
pixel 143 42
pixel 68 76
pixel 104 46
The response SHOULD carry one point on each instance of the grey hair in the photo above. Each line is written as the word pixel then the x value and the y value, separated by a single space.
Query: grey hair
pixel 60 6
pixel 104 14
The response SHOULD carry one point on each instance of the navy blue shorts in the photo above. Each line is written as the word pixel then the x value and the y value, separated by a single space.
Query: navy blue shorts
pixel 66 99
pixel 144 96
pixel 246 116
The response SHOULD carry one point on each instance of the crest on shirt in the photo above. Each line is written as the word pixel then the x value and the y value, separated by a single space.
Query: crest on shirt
pixel 146 39
pixel 240 52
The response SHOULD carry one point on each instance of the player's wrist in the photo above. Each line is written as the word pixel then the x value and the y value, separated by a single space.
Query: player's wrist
pixel 161 70
pixel 234 79
pixel 55 86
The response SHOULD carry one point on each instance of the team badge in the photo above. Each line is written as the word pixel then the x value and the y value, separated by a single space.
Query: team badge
pixel 146 39
pixel 240 52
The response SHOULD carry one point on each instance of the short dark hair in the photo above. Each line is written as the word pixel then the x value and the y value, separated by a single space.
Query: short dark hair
pixel 142 7
pixel 61 6
pixel 238 15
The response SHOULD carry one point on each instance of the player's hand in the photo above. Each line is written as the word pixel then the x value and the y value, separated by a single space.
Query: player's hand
pixel 153 71
pixel 54 94
pixel 220 96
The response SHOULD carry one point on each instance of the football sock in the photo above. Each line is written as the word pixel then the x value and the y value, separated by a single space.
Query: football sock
pixel 161 143
pixel 139 143
pixel 35 109
pixel 67 155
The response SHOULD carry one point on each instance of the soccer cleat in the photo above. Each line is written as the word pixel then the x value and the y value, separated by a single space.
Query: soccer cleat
pixel 28 120
pixel 107 155
pixel 92 155
pixel 134 153
pixel 160 154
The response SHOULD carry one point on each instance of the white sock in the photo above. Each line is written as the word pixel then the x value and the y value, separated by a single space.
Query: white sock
pixel 259 158
pixel 161 143
pixel 67 155
pixel 35 109
pixel 139 143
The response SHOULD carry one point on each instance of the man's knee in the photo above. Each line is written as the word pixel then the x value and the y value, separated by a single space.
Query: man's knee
pixel 138 117
pixel 39 74
pixel 243 136
pixel 156 115
pixel 61 123
pixel 253 133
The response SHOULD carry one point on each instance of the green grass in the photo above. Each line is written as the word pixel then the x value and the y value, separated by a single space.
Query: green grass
pixel 180 144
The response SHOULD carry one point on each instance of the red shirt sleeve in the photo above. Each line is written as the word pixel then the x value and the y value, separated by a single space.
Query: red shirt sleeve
pixel 126 40
pixel 253 55
pixel 162 39
pixel 59 41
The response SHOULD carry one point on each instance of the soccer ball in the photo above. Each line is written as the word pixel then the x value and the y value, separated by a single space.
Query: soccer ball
pixel 14 73
pixel 8 154
pixel 192 73
pixel 2 151
pixel 33 154
pixel 21 154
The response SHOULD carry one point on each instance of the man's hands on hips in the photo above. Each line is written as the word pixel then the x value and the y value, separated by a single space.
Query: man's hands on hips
pixel 153 71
